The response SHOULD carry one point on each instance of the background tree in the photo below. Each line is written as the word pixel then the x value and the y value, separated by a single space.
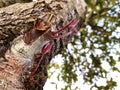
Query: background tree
pixel 94 47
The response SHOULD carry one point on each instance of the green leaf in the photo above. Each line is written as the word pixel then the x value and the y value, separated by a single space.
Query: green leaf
pixel 115 69
pixel 52 82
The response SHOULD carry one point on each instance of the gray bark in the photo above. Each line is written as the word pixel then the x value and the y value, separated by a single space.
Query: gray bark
pixel 18 19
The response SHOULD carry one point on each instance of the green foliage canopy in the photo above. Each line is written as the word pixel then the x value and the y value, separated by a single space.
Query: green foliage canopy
pixel 94 45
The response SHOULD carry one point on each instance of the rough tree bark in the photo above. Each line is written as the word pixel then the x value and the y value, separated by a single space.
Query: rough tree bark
pixel 4 3
pixel 20 58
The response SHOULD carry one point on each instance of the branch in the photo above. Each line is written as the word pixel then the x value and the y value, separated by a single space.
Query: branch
pixel 18 24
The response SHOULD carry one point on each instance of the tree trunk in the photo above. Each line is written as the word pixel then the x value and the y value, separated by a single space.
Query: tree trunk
pixel 24 31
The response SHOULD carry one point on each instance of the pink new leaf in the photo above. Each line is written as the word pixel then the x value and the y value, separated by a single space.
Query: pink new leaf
pixel 66 26
pixel 74 24
pixel 71 25
pixel 61 36
pixel 47 48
